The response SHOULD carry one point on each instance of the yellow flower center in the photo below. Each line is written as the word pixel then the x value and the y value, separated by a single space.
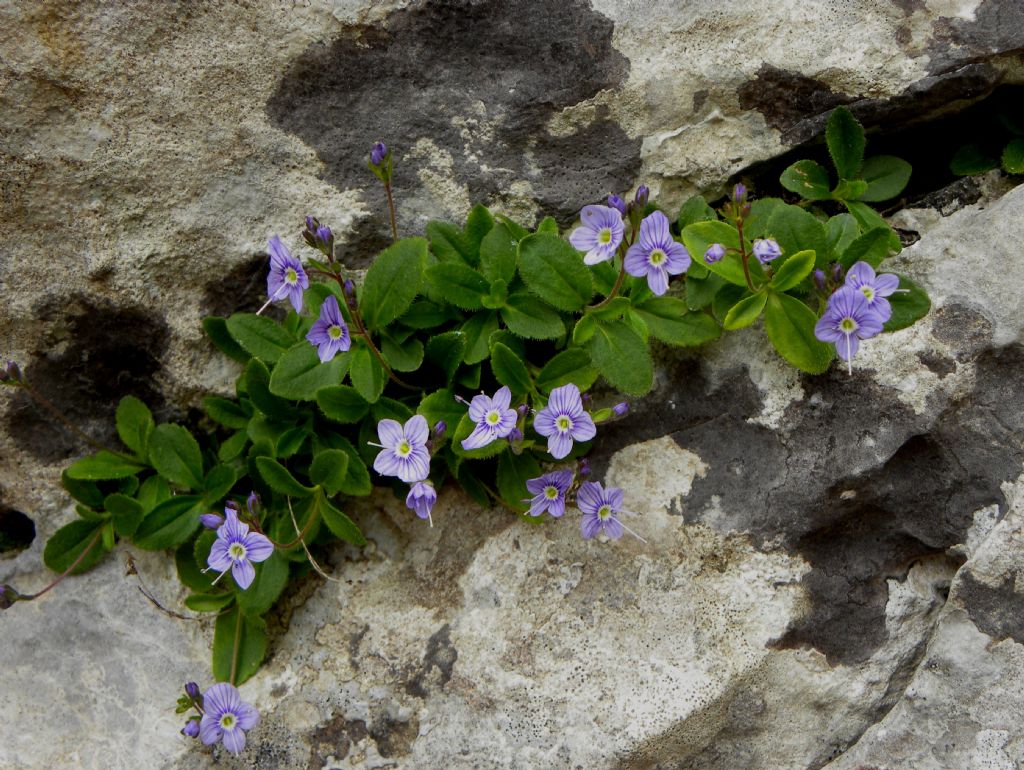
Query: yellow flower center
pixel 657 257
pixel 493 417
pixel 563 423
pixel 334 332
pixel 848 325
pixel 227 721
pixel 604 236
pixel 237 551
pixel 604 512
pixel 404 448
pixel 290 276
pixel 868 292
pixel 551 493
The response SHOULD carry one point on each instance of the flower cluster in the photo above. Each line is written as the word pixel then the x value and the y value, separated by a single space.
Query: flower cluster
pixel 223 717
pixel 857 310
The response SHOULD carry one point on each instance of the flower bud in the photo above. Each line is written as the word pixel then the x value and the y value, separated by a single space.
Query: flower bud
pixel 642 195
pixel 739 194
pixel 522 410
pixel 312 223
pixel 714 253
pixel 820 281
pixel 615 202
pixel 440 427
pixel 621 409
pixel 837 272
pixel 191 729
pixel 211 520
pixel 584 467
pixel 253 503
pixel 378 153
pixel 765 249
pixel 192 690
pixel 324 235
pixel 515 435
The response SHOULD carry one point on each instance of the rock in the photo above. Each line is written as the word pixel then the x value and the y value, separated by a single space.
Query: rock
pixel 829 564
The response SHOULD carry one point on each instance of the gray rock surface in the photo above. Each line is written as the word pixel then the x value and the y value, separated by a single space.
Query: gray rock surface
pixel 830 566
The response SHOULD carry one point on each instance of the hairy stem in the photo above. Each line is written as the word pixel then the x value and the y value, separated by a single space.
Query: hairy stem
pixel 744 257
pixel 234 652
pixel 69 570
pixel 391 210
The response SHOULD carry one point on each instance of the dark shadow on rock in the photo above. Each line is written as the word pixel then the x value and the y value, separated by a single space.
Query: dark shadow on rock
pixel 479 79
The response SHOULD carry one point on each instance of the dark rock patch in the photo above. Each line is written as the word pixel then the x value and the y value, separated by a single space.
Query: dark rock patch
pixel 786 99
pixel 997 28
pixel 963 327
pixel 438 663
pixel 394 738
pixel 91 355
pixel 243 289
pixel 937 364
pixel 997 611
pixel 478 78
pixel 17 531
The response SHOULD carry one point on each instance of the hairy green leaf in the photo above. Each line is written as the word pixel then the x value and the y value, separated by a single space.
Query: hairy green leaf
pixel 553 270
pixel 808 180
pixel 393 281
pixel 789 324
pixel 175 455
pixel 260 336
pixel 622 357
pixel 845 139
pixel 299 373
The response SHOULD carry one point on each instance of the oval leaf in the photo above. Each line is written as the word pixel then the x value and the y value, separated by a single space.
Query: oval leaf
pixel 101 466
pixel 69 542
pixel 530 318
pixel 342 403
pixel 808 180
pixel 622 357
pixel 393 281
pixel 170 524
pixel 510 370
pixel 793 270
pixel 886 177
pixel 569 366
pixel 553 270
pixel 745 312
pixel 280 479
pixel 260 336
pixel 299 373
pixel 789 324
pixel 175 455
pixel 239 644
pixel 668 320
pixel 134 424
pixel 845 139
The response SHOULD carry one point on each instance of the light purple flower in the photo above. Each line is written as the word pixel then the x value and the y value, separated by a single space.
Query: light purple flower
pixel 236 548
pixel 226 718
pixel 656 254
pixel 191 728
pixel 403 449
pixel 286 277
pixel 564 420
pixel 765 249
pixel 192 691
pixel 330 332
pixel 599 507
pixel 599 233
pixel 714 253
pixel 848 319
pixel 493 417
pixel 549 493
pixel 421 498
pixel 739 193
pixel 875 288
pixel 211 520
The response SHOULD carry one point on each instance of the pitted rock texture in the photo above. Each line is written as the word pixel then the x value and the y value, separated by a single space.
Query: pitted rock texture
pixel 830 566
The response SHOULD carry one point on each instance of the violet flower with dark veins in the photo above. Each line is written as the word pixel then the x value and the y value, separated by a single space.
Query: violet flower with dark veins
pixel 656 254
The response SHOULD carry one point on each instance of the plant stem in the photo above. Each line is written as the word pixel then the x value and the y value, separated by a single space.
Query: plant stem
pixel 44 402
pixel 234 651
pixel 391 210
pixel 301 535
pixel 744 257
pixel 69 570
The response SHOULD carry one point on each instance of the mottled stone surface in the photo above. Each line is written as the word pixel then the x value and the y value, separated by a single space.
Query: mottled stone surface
pixel 830 572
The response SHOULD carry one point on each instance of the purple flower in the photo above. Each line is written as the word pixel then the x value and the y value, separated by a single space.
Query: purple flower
pixel 848 319
pixel 621 409
pixel 599 507
pixel 227 718
pixel 191 728
pixel 875 288
pixel 615 202
pixel 440 428
pixel 549 493
pixel 403 449
pixel 286 276
pixel 642 194
pixel 421 498
pixel 192 690
pixel 252 502
pixel 211 520
pixel 378 153
pixel 236 548
pixel 714 253
pixel 493 417
pixel 563 421
pixel 765 249
pixel 656 254
pixel 599 234
pixel 330 333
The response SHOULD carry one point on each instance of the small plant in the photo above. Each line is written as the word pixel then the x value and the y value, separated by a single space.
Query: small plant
pixel 465 356
pixel 985 154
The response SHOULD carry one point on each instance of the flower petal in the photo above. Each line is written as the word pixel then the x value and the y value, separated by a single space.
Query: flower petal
pixel 583 238
pixel 387 463
pixel 544 421
pixel 846 348
pixel 590 497
pixel 637 263
pixel 481 436
pixel 417 431
pixel 221 697
pixel 416 466
pixel 244 573
pixel 234 740
pixel 248 716
pixel 861 274
pixel 479 407
pixel 657 279
pixel 556 507
pixel 679 259
pixel 583 428
pixel 590 525
pixel 218 558
pixel 209 729
pixel 258 547
pixel 612 528
pixel 886 284
pixel 598 255
pixel 615 498
pixel 390 432
pixel 502 398
pixel 559 445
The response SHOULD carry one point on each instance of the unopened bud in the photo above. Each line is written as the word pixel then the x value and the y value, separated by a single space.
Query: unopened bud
pixel 820 281
pixel 522 410
pixel 515 435
pixel 324 235
pixel 584 467
pixel 211 520
pixel 714 253
pixel 378 153
pixel 253 503
pixel 312 223
pixel 837 272
pixel 765 249
pixel 192 690
pixel 642 195
pixel 191 729
pixel 440 427
pixel 621 408
pixel 615 202
pixel 586 399
pixel 739 194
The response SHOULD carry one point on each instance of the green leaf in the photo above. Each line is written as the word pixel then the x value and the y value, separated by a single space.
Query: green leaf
pixel 257 386
pixel 342 403
pixel 278 478
pixel 404 357
pixel 260 336
pixel 745 312
pixel 101 466
pixel 554 271
pixel 216 329
pixel 357 478
pixel 228 413
pixel 458 284
pixel 972 159
pixel 329 469
pixel 907 306
pixel 845 139
pixel 497 297
pixel 427 315
pixel 1013 157
pixel 618 306
pixel 478 330
pixel 218 483
pixel 464 427
pixel 513 473
pixel 808 180
pixel 605 274
pixel 842 230
pixel 441 406
pixel 869 219
pixel 696 209
pixel 271 578
pixel 233 447
pixel 175 455
pixel 755 224
pixel 126 512
pixel 340 524
pixel 528 317
pixel 134 424
pixel 393 281
pixel 69 542
pixel 572 365
pixel 584 329
pixel 872 247
pixel 849 189
pixel 389 408
pixel 204 602
pixel 189 571
pixel 797 230
pixel 498 254
pixel 792 271
pixel 510 370
pixel 290 442
pixel 299 373
pixel 447 351
pixel 367 375
pixel 700 292
pixel 548 225
pixel 169 524
pixel 725 299
pixel 622 357
pixel 449 244
pixel 478 224
pixel 667 319
pixel 236 633
pixel 83 491
pixel 886 177
pixel 789 324
pixel 153 491
pixel 698 238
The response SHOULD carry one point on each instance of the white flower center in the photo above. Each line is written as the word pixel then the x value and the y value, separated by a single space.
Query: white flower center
pixel 237 551
pixel 551 493
pixel 227 721
pixel 493 417
pixel 334 332
pixel 604 236
pixel 658 256
pixel 848 325
pixel 868 292
pixel 604 512
pixel 290 276
pixel 404 448
pixel 564 424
